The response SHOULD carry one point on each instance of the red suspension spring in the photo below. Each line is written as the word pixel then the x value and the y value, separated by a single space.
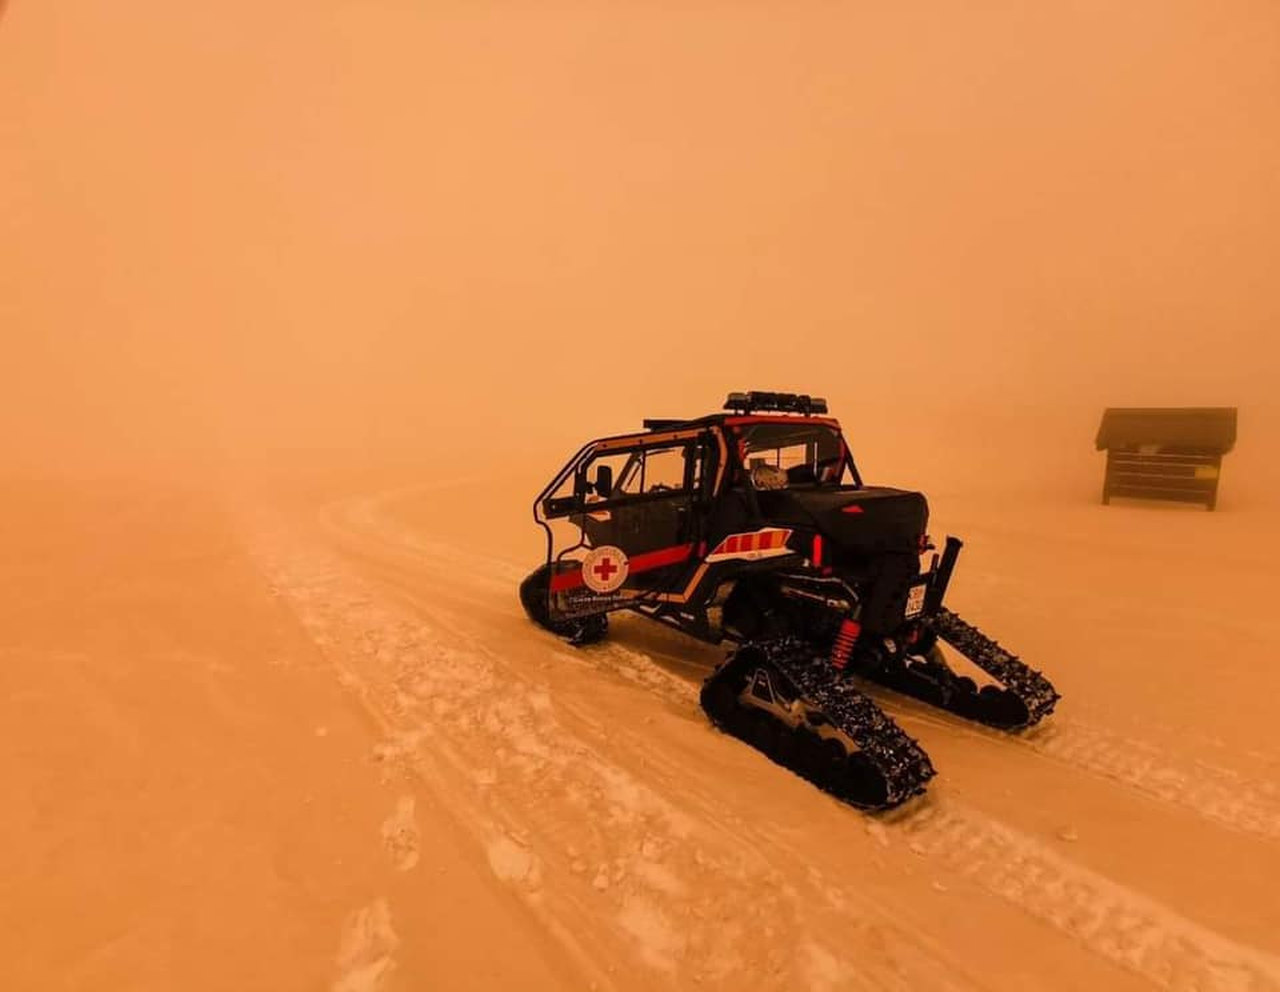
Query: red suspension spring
pixel 846 638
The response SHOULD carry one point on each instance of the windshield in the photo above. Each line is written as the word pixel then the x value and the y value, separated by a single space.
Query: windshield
pixel 778 456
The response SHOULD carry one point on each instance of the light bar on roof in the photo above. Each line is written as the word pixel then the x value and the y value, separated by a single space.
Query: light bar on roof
pixel 756 401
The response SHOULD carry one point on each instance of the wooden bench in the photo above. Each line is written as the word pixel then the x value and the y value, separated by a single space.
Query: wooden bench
pixel 1172 453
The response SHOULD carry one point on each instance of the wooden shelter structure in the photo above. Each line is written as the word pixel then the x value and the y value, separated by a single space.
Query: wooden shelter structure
pixel 1170 453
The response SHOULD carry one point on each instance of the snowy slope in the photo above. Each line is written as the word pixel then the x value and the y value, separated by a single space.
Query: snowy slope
pixel 311 742
pixel 1131 841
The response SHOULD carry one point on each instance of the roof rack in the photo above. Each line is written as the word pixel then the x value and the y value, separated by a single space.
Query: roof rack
pixel 753 401
pixel 662 424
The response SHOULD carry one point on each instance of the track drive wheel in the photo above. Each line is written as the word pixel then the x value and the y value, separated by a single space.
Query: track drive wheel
pixel 578 631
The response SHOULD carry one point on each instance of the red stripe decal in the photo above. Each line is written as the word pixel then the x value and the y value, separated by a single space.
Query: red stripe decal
pixel 567 580
pixel 660 559
pixel 646 562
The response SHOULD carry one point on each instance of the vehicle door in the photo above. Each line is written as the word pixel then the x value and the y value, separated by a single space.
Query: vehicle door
pixel 644 503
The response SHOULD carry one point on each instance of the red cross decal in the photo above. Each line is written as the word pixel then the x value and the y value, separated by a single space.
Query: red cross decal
pixel 605 569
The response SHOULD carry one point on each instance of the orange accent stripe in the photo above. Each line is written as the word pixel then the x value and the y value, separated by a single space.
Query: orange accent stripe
pixel 780 419
pixel 644 440
pixel 737 544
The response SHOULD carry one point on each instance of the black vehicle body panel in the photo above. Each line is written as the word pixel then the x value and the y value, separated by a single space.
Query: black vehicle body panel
pixel 870 535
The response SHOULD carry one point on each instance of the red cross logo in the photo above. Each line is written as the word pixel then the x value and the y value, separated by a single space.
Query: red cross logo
pixel 604 569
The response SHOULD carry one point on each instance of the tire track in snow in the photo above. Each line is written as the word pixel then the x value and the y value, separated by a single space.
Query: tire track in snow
pixel 1123 926
pixel 1133 931
pixel 1210 791
pixel 574 828
pixel 1114 921
pixel 361 641
pixel 1218 794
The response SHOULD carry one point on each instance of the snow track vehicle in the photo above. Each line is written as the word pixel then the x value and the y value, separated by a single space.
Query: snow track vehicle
pixel 753 526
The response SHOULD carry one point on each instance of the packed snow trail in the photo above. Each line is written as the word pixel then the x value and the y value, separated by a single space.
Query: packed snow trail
pixel 191 800
pixel 595 792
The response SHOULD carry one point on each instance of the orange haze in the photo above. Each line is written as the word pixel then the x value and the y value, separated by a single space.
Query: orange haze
pixel 338 232
pixel 301 303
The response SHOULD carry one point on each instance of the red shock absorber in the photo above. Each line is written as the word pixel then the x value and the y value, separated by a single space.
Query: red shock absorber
pixel 846 638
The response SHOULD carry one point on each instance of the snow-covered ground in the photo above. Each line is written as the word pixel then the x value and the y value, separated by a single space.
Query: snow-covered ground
pixel 313 743
pixel 360 275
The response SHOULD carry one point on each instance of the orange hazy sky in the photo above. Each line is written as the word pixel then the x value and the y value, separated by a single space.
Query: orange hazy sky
pixel 267 229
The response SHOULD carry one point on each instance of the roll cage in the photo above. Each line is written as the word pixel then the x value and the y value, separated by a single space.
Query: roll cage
pixel 721 451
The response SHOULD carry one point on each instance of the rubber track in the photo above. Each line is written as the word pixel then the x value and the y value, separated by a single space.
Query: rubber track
pixel 1034 690
pixel 903 766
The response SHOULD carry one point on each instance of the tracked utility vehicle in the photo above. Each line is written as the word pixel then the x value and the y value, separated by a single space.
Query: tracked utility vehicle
pixel 753 526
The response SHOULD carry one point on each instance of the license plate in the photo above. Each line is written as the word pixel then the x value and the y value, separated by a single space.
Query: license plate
pixel 915 600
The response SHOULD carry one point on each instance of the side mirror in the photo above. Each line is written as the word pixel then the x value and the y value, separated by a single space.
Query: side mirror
pixel 604 481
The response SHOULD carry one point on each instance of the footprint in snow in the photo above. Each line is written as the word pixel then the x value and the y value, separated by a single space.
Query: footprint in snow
pixel 365 953
pixel 400 835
